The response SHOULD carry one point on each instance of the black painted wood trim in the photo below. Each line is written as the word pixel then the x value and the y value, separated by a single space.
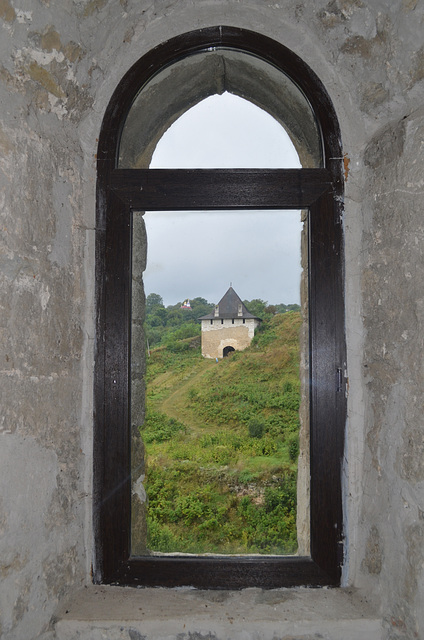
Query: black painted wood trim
pixel 225 572
pixel 112 458
pixel 327 399
pixel 327 417
pixel 193 189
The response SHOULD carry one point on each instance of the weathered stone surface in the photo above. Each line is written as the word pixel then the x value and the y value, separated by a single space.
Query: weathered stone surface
pixel 187 614
pixel 373 552
pixel 373 94
pixel 393 320
pixel 7 12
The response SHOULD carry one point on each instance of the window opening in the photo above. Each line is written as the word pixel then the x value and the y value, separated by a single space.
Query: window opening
pixel 178 74
pixel 221 443
pixel 233 74
pixel 245 456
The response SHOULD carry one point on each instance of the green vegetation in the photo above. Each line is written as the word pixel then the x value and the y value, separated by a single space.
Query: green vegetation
pixel 222 440
pixel 168 325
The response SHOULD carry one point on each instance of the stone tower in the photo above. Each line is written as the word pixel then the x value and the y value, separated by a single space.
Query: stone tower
pixel 230 327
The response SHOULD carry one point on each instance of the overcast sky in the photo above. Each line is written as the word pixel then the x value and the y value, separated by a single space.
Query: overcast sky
pixel 194 254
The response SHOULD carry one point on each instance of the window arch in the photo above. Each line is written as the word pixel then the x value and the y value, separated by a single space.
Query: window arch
pixel 228 130
pixel 252 66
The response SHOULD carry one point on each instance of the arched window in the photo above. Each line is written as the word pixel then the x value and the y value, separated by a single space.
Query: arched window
pixel 164 84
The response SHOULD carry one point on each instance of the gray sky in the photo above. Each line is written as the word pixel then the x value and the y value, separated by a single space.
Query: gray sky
pixel 194 254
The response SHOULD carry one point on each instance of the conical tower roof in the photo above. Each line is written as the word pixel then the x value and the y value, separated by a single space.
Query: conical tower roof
pixel 230 306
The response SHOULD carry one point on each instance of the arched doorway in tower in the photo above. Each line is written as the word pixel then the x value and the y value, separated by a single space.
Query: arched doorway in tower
pixel 227 350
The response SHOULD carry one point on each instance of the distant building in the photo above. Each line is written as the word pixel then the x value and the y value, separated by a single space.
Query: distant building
pixel 230 327
pixel 186 304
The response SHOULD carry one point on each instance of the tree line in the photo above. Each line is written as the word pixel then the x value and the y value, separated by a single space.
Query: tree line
pixel 166 325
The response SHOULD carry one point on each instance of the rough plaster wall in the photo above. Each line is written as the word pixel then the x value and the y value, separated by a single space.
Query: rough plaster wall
pixel 393 367
pixel 45 249
pixel 60 62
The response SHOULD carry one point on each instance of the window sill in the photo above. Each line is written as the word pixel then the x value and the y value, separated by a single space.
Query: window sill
pixel 120 613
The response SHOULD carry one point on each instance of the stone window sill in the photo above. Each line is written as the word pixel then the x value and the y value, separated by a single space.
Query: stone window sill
pixel 118 613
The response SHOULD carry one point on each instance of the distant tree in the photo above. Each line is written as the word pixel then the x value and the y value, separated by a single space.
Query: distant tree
pixel 154 335
pixel 174 316
pixel 160 312
pixel 283 308
pixel 197 301
pixel 174 307
pixel 271 309
pixel 200 307
pixel 153 300
pixel 158 317
pixel 256 306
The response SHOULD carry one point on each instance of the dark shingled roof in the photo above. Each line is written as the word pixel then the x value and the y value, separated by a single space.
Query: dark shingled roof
pixel 229 308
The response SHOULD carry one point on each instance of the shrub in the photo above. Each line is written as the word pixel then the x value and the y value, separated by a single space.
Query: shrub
pixel 160 537
pixel 294 448
pixel 193 394
pixel 281 497
pixel 246 477
pixel 159 428
pixel 256 428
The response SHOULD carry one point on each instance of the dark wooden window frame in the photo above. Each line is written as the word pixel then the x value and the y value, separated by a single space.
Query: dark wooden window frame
pixel 119 193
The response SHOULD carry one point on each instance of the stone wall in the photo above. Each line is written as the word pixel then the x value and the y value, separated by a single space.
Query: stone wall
pixel 59 64
pixel 217 336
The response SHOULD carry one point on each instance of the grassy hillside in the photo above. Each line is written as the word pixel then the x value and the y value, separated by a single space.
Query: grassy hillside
pixel 222 445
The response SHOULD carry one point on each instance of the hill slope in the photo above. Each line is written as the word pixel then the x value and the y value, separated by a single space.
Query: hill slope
pixel 222 444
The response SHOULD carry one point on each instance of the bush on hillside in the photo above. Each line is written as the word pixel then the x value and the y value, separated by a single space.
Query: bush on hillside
pixel 256 428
